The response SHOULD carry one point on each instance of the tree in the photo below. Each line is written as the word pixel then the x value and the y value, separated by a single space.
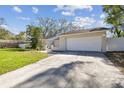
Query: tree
pixel 2 21
pixel 63 25
pixel 48 26
pixel 52 27
pixel 115 17
pixel 34 34
pixel 21 36
pixel 5 34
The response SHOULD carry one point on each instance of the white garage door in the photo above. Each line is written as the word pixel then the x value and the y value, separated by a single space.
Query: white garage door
pixel 84 44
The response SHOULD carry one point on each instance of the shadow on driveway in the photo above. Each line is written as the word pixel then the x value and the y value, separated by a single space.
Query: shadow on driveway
pixel 68 75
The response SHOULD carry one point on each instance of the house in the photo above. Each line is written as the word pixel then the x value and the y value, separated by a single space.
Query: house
pixel 11 43
pixel 86 40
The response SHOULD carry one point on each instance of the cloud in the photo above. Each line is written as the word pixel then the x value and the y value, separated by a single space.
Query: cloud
pixel 67 13
pixel 93 15
pixel 14 30
pixel 69 10
pixel 24 18
pixel 102 16
pixel 83 21
pixel 4 26
pixel 73 7
pixel 35 10
pixel 89 22
pixel 17 9
pixel 100 23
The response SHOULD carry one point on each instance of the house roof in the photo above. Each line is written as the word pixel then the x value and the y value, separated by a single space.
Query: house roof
pixel 12 41
pixel 87 30
pixel 100 29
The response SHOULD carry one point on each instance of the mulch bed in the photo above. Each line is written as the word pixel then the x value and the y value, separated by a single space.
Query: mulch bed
pixel 117 58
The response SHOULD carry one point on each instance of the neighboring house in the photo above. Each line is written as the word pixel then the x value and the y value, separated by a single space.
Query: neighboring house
pixel 11 43
pixel 86 40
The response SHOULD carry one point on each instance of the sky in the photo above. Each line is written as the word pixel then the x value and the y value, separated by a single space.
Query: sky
pixel 17 17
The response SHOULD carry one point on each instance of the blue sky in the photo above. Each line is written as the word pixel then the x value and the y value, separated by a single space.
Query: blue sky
pixel 17 17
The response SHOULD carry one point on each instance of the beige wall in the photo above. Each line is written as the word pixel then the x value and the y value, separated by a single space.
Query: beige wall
pixel 62 39
pixel 83 34
pixel 115 44
pixel 104 42
pixel 62 43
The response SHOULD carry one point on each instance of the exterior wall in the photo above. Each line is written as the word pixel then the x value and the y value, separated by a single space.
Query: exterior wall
pixel 108 44
pixel 104 43
pixel 63 40
pixel 62 44
pixel 10 43
pixel 84 34
pixel 115 44
pixel 56 45
pixel 23 46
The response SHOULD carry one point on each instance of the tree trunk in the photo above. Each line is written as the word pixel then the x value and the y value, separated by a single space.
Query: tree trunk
pixel 118 32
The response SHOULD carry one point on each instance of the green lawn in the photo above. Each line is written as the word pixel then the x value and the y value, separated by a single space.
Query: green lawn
pixel 14 58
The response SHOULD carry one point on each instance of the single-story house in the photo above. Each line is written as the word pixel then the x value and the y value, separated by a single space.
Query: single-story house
pixel 11 43
pixel 86 40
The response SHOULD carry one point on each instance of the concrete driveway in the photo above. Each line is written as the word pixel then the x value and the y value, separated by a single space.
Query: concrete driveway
pixel 70 69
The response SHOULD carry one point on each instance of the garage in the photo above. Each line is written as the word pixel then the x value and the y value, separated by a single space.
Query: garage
pixel 85 40
pixel 84 44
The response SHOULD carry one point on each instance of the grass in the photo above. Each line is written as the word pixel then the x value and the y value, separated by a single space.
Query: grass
pixel 117 58
pixel 14 58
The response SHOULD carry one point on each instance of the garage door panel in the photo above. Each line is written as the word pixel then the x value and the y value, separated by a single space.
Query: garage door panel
pixel 84 44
